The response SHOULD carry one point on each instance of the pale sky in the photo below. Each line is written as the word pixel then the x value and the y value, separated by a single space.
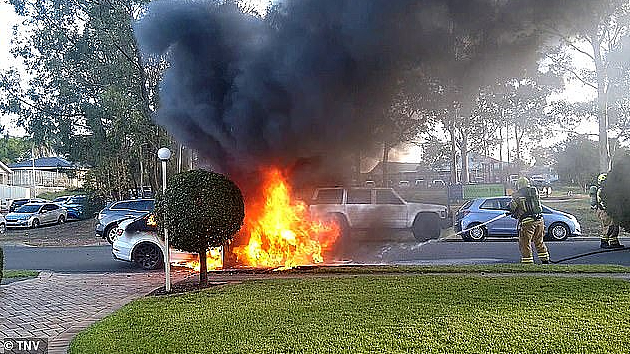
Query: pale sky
pixel 8 18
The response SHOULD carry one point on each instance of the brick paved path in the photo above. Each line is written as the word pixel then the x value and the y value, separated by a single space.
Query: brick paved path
pixel 58 306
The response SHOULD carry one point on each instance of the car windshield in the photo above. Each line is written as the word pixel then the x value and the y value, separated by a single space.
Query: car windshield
pixel 76 200
pixel 29 209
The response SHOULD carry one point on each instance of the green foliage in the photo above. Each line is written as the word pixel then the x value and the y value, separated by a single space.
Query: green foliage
pixel 90 96
pixel 53 195
pixel 576 159
pixel 376 314
pixel 201 209
pixel 14 149
pixel 616 194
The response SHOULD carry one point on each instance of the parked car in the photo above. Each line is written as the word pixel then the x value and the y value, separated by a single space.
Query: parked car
pixel 62 199
pixel 17 203
pixel 3 225
pixel 109 217
pixel 36 214
pixel 558 225
pixel 75 205
pixel 366 208
pixel 135 240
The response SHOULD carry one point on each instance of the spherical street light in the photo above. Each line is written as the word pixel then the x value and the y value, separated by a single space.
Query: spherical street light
pixel 164 154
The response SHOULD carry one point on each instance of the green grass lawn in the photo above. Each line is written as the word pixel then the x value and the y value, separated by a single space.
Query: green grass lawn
pixel 376 314
pixel 20 274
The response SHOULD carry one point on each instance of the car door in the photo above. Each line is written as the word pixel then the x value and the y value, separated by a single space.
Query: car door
pixel 488 210
pixel 359 207
pixel 509 224
pixel 46 214
pixel 390 210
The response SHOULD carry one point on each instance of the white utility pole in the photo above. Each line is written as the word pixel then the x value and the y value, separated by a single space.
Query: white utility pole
pixel 164 154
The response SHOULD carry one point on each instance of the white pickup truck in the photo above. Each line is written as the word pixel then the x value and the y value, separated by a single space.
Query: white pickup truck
pixel 369 208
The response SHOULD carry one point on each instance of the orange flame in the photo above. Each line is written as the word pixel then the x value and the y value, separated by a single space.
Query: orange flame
pixel 281 231
pixel 213 259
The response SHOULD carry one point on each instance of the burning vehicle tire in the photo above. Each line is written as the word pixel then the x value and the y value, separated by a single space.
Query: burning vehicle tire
pixel 148 256
pixel 35 223
pixel 426 226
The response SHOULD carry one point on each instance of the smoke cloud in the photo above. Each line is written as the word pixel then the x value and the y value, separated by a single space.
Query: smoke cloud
pixel 313 79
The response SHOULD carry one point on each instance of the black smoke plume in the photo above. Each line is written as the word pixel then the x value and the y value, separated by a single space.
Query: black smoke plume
pixel 312 79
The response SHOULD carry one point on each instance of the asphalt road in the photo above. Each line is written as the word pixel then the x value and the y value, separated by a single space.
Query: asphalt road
pixel 64 259
pixel 397 251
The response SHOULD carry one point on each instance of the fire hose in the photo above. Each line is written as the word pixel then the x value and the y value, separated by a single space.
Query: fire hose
pixel 482 224
pixel 591 253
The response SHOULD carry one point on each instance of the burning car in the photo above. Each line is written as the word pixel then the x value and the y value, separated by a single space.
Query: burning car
pixel 136 240
pixel 368 208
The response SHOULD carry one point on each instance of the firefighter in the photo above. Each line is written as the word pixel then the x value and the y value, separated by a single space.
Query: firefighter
pixel 610 229
pixel 526 208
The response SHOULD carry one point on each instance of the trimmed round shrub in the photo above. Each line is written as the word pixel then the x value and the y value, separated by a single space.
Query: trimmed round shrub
pixel 201 209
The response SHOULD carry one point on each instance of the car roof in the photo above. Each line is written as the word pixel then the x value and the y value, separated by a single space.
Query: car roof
pixel 38 204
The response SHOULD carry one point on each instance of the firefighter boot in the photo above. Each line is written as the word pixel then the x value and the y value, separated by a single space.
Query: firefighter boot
pixel 615 244
pixel 604 244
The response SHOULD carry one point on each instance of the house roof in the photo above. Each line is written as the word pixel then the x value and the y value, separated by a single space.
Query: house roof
pixel 4 168
pixel 43 162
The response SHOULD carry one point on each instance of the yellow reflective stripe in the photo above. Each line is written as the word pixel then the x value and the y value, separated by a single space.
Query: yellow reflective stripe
pixel 543 255
pixel 527 260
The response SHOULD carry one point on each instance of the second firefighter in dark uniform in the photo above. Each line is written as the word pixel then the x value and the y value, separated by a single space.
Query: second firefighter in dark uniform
pixel 526 208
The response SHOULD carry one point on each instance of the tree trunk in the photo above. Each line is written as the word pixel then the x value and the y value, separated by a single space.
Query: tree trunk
pixel 464 152
pixel 518 143
pixel 507 140
pixel 501 140
pixel 451 131
pixel 602 109
pixel 203 268
pixel 384 164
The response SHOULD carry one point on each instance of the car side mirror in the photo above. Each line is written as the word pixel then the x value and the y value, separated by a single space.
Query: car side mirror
pixel 43 211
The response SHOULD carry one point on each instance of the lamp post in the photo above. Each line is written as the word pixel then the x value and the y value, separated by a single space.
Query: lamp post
pixel 164 154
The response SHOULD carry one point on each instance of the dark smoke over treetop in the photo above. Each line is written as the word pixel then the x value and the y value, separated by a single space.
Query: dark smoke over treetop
pixel 315 77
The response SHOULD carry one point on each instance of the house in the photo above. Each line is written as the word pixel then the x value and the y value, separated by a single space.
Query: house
pixel 5 174
pixel 402 174
pixel 47 174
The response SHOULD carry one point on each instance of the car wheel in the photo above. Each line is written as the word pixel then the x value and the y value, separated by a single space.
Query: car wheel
pixel 558 232
pixel 344 227
pixel 61 219
pixel 476 234
pixel 426 226
pixel 110 233
pixel 3 228
pixel 35 223
pixel 148 256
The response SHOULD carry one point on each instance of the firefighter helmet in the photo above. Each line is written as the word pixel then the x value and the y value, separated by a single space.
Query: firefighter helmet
pixel 601 178
pixel 522 183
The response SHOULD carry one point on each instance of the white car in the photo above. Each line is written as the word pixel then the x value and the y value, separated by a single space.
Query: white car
pixel 36 214
pixel 136 240
pixel 3 225
pixel 370 208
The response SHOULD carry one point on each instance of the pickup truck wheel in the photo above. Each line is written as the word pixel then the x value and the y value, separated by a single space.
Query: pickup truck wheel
pixel 344 228
pixel 426 226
